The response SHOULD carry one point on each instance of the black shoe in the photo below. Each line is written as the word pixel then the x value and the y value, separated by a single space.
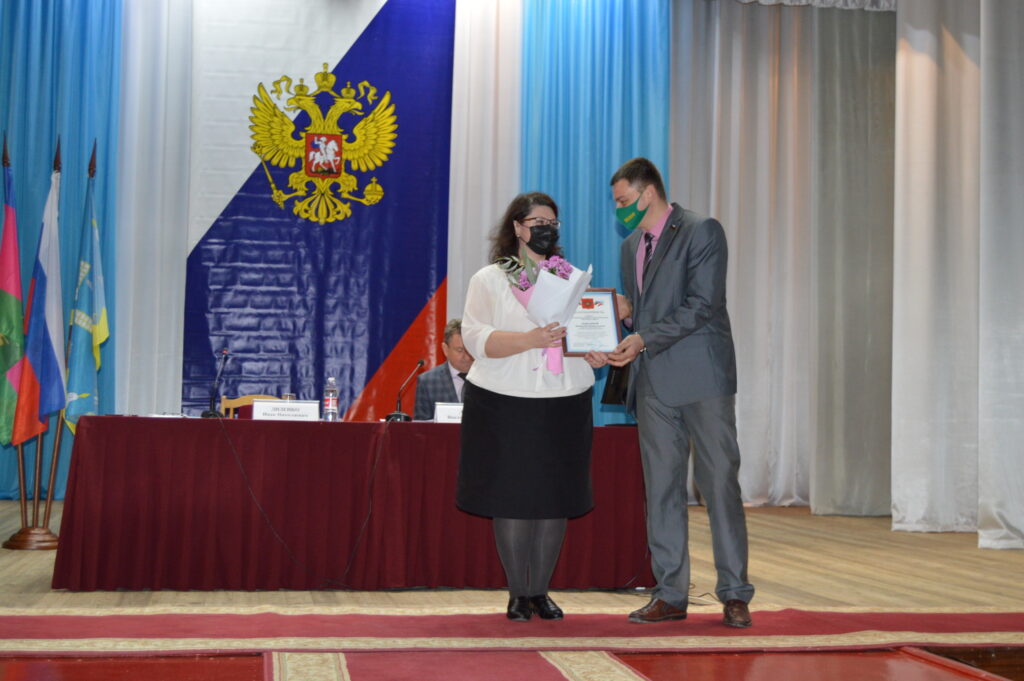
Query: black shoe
pixel 519 609
pixel 545 607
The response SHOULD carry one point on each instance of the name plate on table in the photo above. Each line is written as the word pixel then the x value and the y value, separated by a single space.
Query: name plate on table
pixel 594 325
pixel 286 410
pixel 448 412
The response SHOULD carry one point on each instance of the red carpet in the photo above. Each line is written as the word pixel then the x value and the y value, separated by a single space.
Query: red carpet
pixel 905 664
pixel 773 630
pixel 179 668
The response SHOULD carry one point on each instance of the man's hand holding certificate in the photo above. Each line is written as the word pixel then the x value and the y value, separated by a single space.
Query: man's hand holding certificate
pixel 594 325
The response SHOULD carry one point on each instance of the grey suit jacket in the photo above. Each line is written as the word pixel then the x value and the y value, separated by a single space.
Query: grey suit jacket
pixel 433 386
pixel 681 312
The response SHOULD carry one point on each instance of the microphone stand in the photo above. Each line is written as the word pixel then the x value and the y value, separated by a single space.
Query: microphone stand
pixel 213 412
pixel 398 414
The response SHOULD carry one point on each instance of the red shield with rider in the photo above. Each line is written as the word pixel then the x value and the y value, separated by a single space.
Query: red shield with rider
pixel 323 155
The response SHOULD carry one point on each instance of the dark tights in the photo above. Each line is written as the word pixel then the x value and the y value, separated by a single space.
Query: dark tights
pixel 529 550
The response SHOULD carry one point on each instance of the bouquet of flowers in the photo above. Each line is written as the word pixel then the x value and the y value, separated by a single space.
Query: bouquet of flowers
pixel 550 290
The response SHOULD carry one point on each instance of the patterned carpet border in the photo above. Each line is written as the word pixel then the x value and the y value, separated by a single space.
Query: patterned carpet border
pixel 125 633
pixel 432 609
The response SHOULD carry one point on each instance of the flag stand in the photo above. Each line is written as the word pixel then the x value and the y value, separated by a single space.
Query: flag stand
pixel 35 537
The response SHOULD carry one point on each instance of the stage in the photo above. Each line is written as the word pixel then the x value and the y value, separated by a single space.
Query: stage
pixel 797 560
pixel 827 585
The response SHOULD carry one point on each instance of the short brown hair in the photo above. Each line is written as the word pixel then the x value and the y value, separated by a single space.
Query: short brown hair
pixel 640 172
pixel 454 326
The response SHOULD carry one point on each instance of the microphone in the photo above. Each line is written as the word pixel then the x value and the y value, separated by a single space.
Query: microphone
pixel 398 414
pixel 213 412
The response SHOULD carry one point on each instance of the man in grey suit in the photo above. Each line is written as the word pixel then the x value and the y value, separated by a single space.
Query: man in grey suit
pixel 444 382
pixel 682 387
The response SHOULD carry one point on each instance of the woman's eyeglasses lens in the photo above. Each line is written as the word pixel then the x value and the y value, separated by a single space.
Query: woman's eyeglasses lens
pixel 543 221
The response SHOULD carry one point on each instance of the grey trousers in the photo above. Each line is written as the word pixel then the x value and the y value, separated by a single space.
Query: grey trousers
pixel 665 434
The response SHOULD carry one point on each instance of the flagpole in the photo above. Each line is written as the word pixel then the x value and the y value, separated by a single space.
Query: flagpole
pixel 21 486
pixel 38 537
pixel 36 483
pixel 67 353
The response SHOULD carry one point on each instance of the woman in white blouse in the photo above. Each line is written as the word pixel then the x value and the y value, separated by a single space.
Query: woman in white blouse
pixel 526 431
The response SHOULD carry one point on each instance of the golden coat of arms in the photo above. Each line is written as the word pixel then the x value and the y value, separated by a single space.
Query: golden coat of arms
pixel 324 147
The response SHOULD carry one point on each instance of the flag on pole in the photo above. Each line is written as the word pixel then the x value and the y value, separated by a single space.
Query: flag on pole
pixel 89 327
pixel 41 391
pixel 12 333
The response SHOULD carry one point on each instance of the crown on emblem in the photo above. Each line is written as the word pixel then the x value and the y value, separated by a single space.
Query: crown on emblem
pixel 348 92
pixel 301 88
pixel 324 80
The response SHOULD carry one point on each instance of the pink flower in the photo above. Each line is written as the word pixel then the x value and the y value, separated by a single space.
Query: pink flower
pixel 556 265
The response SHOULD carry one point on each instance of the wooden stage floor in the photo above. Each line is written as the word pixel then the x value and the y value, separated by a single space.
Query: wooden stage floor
pixel 797 560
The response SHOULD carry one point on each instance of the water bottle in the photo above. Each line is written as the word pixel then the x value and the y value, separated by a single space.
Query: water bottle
pixel 331 400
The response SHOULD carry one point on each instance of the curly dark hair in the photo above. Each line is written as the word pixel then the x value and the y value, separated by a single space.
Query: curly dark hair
pixel 503 238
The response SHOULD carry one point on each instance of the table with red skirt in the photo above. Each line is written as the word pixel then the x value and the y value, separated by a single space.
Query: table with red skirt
pixel 204 504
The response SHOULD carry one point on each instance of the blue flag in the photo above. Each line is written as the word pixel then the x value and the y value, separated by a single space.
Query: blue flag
pixel 89 326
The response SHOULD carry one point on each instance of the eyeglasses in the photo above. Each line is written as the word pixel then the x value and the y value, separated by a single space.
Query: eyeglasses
pixel 544 221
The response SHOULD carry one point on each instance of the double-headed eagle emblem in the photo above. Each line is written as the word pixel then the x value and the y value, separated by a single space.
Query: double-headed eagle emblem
pixel 324 147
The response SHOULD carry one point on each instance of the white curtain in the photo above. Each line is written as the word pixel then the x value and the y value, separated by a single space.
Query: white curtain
pixel 958 378
pixel 152 204
pixel 935 292
pixel 783 130
pixel 878 5
pixel 1001 314
pixel 485 157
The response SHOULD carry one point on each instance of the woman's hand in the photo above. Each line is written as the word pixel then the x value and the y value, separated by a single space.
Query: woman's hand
pixel 549 336
pixel 596 359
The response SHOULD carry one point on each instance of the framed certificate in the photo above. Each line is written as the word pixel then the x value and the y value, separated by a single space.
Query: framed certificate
pixel 595 324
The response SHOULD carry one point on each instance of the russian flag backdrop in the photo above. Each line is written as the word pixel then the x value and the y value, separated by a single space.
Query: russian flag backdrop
pixel 330 259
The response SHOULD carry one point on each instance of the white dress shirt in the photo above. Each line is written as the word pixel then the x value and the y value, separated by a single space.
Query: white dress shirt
pixel 491 306
pixel 457 380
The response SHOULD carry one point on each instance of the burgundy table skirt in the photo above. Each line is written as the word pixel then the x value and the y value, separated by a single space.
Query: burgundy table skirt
pixel 167 503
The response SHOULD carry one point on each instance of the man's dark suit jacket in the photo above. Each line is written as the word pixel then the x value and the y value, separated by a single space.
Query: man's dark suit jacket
pixel 433 386
pixel 681 312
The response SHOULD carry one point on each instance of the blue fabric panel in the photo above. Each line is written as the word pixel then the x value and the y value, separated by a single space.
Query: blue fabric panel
pixel 595 93
pixel 296 301
pixel 60 65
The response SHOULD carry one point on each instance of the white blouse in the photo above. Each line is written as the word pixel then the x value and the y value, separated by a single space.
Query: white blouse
pixel 491 306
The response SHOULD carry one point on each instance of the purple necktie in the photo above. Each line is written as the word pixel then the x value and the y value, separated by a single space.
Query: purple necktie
pixel 648 250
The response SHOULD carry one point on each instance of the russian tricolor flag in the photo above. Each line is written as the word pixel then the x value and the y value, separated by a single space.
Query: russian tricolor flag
pixel 41 390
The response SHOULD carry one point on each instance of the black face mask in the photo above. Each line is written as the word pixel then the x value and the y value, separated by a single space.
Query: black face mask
pixel 543 239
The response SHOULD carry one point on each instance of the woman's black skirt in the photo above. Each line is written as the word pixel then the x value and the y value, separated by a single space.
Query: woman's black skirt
pixel 525 457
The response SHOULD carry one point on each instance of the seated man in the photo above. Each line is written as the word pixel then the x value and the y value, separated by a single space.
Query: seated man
pixel 444 382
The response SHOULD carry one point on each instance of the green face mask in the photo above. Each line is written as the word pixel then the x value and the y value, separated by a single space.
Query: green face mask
pixel 631 215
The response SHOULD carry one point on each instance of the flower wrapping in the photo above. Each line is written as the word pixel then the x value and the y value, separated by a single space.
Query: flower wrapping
pixel 554 298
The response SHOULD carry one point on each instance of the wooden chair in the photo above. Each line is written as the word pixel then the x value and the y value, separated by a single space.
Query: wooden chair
pixel 228 405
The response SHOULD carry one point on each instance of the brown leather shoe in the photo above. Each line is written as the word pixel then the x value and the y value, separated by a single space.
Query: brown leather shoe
pixel 657 611
pixel 737 614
